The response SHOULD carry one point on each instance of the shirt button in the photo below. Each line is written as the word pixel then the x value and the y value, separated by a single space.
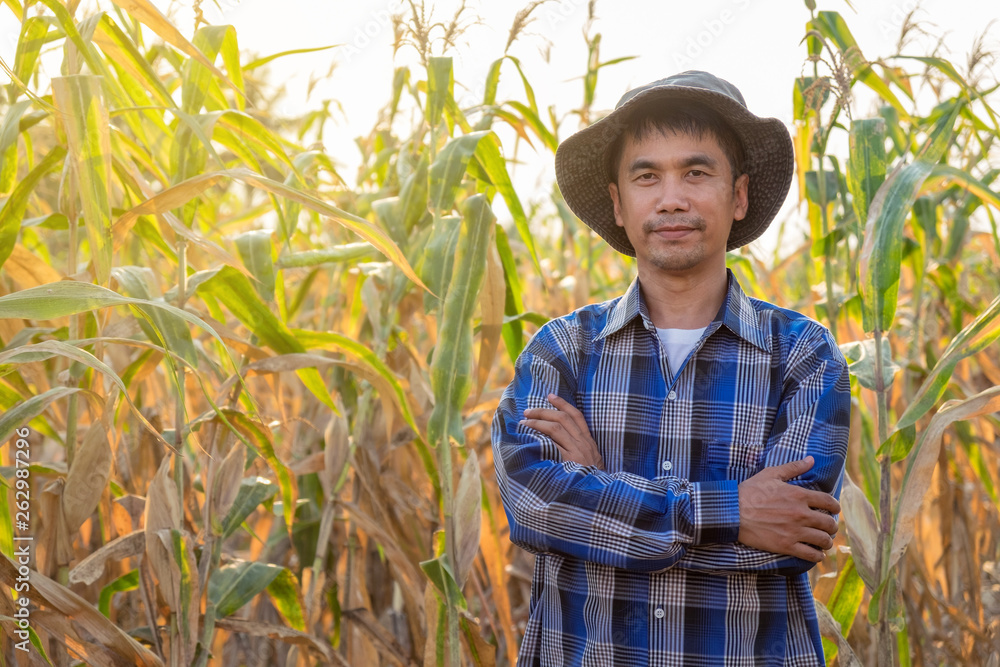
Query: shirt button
pixel 667 465
pixel 672 395
pixel 659 613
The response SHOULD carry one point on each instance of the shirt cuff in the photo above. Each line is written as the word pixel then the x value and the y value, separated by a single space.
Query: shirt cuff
pixel 715 507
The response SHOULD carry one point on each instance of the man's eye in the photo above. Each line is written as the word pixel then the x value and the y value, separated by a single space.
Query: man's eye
pixel 647 176
pixel 696 172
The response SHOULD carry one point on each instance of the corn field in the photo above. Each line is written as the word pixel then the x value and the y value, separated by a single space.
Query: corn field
pixel 245 400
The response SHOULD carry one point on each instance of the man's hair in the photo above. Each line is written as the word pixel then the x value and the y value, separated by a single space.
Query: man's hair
pixel 695 120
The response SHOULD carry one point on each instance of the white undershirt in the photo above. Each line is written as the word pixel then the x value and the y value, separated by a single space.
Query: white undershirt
pixel 678 343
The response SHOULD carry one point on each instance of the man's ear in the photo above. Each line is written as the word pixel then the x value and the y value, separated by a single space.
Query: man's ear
pixel 613 191
pixel 740 190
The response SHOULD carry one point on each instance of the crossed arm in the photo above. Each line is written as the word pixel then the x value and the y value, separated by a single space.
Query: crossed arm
pixel 775 516
pixel 559 499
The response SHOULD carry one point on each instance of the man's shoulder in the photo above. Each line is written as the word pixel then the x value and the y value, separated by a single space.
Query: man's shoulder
pixel 791 327
pixel 578 327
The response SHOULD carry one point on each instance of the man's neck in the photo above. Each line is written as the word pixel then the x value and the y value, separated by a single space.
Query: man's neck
pixel 683 301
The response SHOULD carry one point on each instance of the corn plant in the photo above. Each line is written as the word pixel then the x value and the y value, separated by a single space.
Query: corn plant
pixel 258 396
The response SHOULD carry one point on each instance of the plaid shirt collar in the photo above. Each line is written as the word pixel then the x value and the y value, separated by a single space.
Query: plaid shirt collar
pixel 737 314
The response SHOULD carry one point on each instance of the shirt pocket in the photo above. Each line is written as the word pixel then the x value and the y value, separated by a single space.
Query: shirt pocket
pixel 733 460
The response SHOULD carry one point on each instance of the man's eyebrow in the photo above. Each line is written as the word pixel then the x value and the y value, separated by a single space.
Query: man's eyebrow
pixel 692 160
pixel 699 159
pixel 642 163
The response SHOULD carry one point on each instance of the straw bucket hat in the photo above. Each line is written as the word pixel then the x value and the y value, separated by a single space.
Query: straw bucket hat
pixel 768 157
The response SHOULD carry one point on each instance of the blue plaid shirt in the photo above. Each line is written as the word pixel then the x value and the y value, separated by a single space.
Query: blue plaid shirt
pixel 638 564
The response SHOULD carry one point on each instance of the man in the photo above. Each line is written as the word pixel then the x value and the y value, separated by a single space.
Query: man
pixel 673 456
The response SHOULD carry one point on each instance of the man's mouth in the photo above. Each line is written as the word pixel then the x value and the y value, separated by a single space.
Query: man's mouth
pixel 673 231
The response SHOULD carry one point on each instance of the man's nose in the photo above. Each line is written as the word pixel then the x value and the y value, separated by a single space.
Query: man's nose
pixel 671 196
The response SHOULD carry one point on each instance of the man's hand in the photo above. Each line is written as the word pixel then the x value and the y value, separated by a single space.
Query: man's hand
pixel 783 518
pixel 568 429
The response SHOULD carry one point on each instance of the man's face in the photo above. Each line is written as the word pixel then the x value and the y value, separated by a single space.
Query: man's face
pixel 676 200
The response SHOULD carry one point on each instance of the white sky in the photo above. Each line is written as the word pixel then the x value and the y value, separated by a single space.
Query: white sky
pixel 752 43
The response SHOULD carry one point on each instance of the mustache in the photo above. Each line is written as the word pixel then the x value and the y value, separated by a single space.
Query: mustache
pixel 694 222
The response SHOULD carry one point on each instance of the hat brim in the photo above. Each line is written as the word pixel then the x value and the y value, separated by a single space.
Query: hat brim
pixel 768 160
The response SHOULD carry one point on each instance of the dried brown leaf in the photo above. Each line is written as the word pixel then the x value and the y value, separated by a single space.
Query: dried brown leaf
pixel 468 505
pixel 862 532
pixel 922 464
pixel 227 484
pixel 23 266
pixel 45 592
pixel 287 635
pixel 336 447
pixel 163 507
pixel 91 568
pixel 491 303
pixel 88 476
pixel 830 628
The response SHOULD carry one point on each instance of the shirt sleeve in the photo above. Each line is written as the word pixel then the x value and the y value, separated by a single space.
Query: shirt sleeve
pixel 813 419
pixel 621 519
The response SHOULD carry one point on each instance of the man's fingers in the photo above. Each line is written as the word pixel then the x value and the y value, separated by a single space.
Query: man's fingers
pixel 822 501
pixel 579 421
pixel 817 538
pixel 787 471
pixel 553 429
pixel 554 416
pixel 806 552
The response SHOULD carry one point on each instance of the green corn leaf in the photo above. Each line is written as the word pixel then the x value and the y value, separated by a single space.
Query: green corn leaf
pixel 80 101
pixel 979 335
pixel 60 299
pixel 235 584
pixel 6 519
pixel 285 593
pixel 34 30
pixel 534 121
pixel 845 601
pixel 451 366
pixel 440 87
pixel 448 170
pixel 12 213
pixel 866 164
pixel 260 62
pixel 413 196
pixel 860 356
pixel 945 174
pixel 234 291
pixel 334 342
pixel 127 582
pixel 183 192
pixel 49 348
pixel 176 336
pixel 255 250
pixel 10 130
pixel 253 491
pixel 439 253
pixel 882 252
pixel 147 13
pixel 123 53
pixel 333 255
pixel 512 331
pixel 489 156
